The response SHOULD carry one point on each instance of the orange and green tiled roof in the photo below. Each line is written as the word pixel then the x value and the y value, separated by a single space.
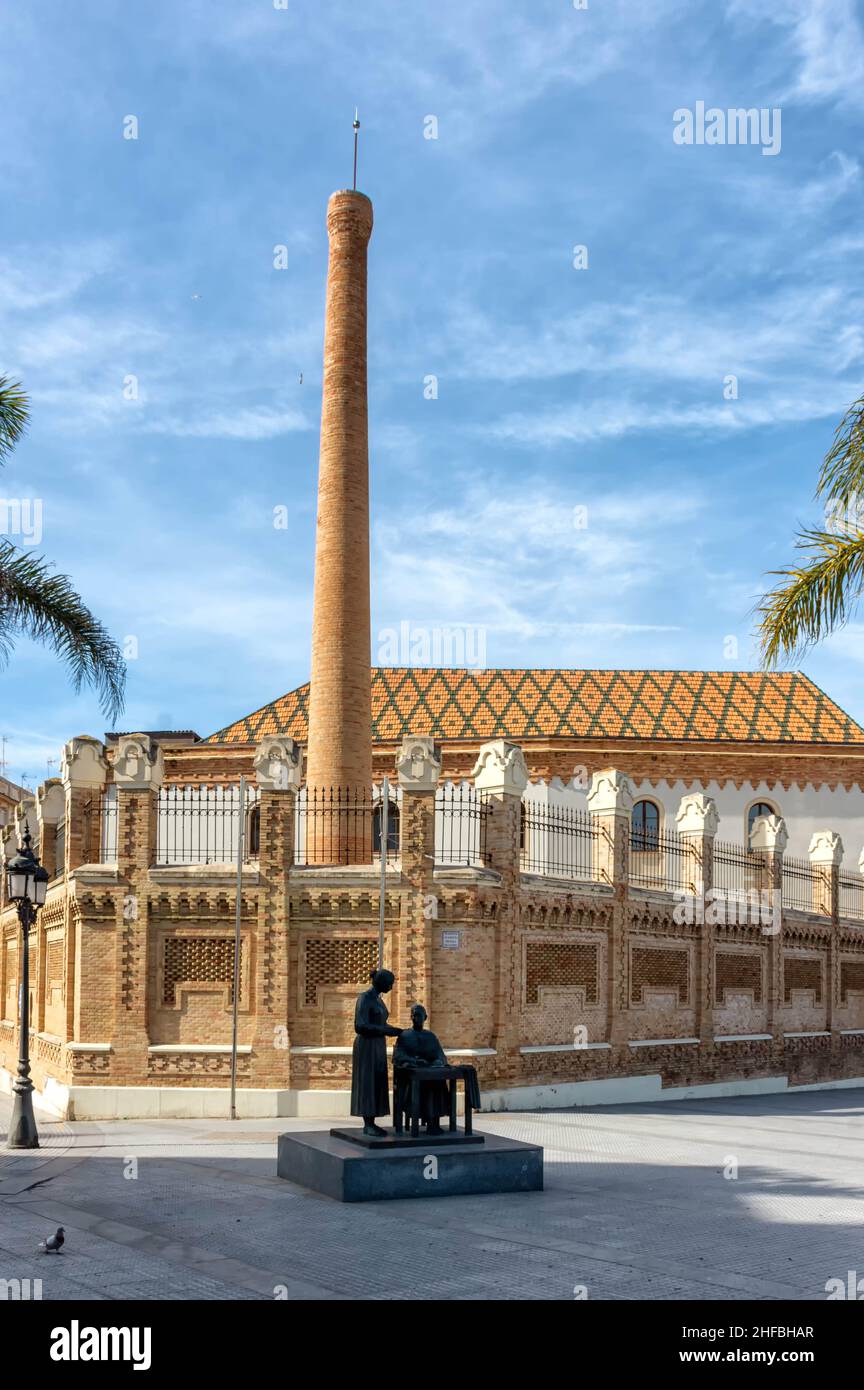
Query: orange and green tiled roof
pixel 706 706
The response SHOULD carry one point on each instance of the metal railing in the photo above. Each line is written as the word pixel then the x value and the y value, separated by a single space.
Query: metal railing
pixel 804 888
pixel 461 816
pixel 197 824
pixel 661 859
pixel 342 827
pixel 108 826
pixel 558 841
pixel 739 871
pixel 852 896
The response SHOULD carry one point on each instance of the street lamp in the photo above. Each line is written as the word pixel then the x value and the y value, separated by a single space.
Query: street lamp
pixel 26 886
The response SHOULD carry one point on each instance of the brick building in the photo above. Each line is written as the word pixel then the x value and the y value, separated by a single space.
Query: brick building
pixel 10 795
pixel 602 884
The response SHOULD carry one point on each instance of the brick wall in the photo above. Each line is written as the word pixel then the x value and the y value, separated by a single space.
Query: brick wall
pixel 138 957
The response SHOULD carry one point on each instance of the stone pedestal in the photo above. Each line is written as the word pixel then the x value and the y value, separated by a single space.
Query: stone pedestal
pixel 350 1173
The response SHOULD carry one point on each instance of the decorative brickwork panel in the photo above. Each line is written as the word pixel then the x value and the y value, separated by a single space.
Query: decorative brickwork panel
pixel 193 1064
pixel 658 967
pixel 55 984
pixel 851 978
pixel 51 1053
pixel 53 912
pixel 54 964
pixel 561 965
pixel 802 972
pixel 333 961
pixel 739 973
pixel 196 960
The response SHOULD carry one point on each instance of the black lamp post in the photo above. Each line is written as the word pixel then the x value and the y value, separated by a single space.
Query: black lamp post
pixel 26 886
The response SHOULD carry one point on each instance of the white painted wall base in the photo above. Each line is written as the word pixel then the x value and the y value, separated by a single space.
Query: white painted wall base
pixel 643 1090
pixel 196 1103
pixel 618 1090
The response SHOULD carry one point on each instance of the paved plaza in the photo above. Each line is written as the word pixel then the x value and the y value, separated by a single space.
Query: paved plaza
pixel 640 1203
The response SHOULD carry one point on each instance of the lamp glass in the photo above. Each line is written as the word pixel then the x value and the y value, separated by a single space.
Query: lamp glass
pixel 19 881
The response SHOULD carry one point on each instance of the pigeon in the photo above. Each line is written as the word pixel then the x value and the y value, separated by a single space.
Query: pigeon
pixel 54 1242
pixel 301 378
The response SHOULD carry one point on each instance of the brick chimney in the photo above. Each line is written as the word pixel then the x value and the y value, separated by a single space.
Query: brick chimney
pixel 339 755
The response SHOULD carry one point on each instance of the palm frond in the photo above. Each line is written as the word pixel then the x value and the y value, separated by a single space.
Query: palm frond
pixel 814 598
pixel 841 478
pixel 36 603
pixel 14 414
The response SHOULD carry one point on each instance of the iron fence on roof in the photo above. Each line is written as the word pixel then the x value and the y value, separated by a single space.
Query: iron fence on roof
pixel 851 886
pixel 739 870
pixel 337 826
pixel 804 887
pixel 461 821
pixel 558 841
pixel 200 824
pixel 663 860
pixel 743 889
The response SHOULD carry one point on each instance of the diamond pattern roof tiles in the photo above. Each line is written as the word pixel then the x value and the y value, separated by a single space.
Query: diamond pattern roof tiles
pixel 705 706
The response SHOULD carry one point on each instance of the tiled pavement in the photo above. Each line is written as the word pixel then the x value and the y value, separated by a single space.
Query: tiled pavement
pixel 640 1203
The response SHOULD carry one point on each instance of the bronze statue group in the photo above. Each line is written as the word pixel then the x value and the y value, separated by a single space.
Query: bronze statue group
pixel 416 1048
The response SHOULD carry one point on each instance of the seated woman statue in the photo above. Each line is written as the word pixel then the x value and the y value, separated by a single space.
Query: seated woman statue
pixel 415 1049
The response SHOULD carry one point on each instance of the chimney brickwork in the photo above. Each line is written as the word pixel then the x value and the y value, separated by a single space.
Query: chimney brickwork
pixel 340 717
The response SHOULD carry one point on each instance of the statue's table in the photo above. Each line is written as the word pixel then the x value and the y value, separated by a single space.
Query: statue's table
pixel 416 1076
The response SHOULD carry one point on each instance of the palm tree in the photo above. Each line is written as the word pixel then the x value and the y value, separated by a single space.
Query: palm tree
pixel 34 602
pixel 13 416
pixel 818 595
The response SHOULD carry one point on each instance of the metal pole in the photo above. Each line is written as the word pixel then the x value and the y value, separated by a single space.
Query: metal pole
pixel 385 797
pixel 241 840
pixel 22 1125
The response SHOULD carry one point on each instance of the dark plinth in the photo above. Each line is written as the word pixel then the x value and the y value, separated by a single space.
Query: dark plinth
pixel 391 1140
pixel 349 1172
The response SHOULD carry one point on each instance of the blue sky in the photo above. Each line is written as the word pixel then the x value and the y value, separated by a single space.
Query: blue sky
pixel 558 388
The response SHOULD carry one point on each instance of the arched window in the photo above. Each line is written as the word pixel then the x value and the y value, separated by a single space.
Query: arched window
pixel 645 826
pixel 392 828
pixel 253 833
pixel 759 808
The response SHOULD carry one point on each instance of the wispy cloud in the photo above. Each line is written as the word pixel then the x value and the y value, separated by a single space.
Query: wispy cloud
pixel 35 276
pixel 528 568
pixel 780 196
pixel 827 40
pixel 612 419
pixel 150 369
pixel 654 336
pixel 470 64
pixel 250 424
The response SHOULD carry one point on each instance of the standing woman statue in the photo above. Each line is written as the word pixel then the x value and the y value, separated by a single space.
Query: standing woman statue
pixel 370 1090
